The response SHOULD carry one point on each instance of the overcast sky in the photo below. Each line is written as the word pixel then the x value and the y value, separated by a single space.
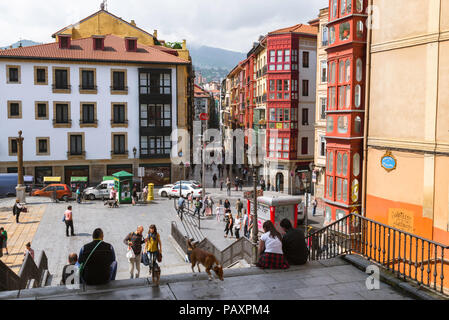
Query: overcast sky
pixel 228 24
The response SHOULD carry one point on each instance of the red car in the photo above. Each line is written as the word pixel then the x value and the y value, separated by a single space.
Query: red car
pixel 63 191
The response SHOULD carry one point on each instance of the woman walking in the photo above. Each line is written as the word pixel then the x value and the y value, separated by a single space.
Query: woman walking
pixel 270 249
pixel 153 247
pixel 229 224
pixel 134 196
pixel 4 235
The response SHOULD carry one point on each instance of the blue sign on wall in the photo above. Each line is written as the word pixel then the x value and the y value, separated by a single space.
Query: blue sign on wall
pixel 388 162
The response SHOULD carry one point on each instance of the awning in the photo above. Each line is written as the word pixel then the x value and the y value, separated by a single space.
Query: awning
pixel 108 178
pixel 52 179
pixel 78 179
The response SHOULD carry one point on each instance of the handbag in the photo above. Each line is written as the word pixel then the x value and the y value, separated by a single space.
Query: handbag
pixel 159 257
pixel 144 260
pixel 130 254
pixel 63 218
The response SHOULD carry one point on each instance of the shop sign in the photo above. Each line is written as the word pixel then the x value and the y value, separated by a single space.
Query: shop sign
pixel 388 162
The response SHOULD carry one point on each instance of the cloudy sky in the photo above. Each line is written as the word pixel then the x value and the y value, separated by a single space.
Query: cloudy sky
pixel 228 24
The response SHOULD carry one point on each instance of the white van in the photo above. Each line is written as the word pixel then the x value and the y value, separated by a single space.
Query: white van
pixel 99 192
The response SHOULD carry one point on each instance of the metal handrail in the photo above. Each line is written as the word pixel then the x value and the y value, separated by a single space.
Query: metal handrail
pixel 395 250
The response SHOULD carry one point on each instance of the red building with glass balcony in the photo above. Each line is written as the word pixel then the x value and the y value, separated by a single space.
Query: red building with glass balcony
pixel 346 106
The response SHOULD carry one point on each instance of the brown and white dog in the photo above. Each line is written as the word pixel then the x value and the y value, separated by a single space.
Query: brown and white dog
pixel 207 259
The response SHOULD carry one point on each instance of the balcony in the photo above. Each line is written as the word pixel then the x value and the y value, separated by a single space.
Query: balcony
pixel 88 89
pixel 119 154
pixel 119 124
pixel 76 155
pixel 62 123
pixel 61 88
pixel 88 123
pixel 119 89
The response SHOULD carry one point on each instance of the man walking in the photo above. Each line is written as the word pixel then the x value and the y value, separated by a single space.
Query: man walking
pixel 239 206
pixel 134 241
pixel 214 178
pixel 228 186
pixel 198 204
pixel 181 204
pixel 315 204
pixel 17 209
pixel 68 219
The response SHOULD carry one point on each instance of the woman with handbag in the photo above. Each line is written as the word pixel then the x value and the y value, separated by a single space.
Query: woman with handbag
pixel 134 241
pixel 153 248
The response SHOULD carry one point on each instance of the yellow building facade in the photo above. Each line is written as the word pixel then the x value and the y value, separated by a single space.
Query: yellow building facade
pixel 407 124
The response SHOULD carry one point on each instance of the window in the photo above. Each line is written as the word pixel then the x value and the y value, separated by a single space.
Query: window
pixel 42 146
pixel 279 56
pixel 343 6
pixel 272 82
pixel 131 44
pixel 322 146
pixel 358 125
pixel 339 163
pixel 341 72
pixel 328 215
pixel 155 83
pixel 304 145
pixel 359 70
pixel 151 146
pixel 343 124
pixel 294 55
pixel 76 144
pixel 118 79
pixel 330 162
pixel 305 117
pixel 98 43
pixel 348 70
pixel 323 102
pixel 334 8
pixel 359 5
pixel 118 113
pixel 356 165
pixel 338 188
pixel 358 93
pixel 14 109
pixel 330 124
pixel 348 6
pixel 13 74
pixel 13 146
pixel 119 144
pixel 341 96
pixel 61 79
pixel 330 183
pixel 333 98
pixel 323 71
pixel 155 115
pixel 305 88
pixel 87 80
pixel 40 75
pixel 332 34
pixel 359 29
pixel 332 72
pixel 88 114
pixel 345 190
pixel 62 113
pixel 324 35
pixel 345 29
pixel 272 56
pixel 41 112
pixel 345 164
pixel 305 59
pixel 287 55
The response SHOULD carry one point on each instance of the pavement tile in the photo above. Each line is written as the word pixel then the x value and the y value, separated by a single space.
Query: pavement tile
pixel 317 291
pixel 323 280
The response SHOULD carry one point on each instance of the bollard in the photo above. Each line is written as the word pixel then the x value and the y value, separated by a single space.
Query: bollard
pixel 150 196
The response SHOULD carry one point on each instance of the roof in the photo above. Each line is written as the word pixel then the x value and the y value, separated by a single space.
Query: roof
pixel 122 174
pixel 200 92
pixel 93 15
pixel 82 50
pixel 299 28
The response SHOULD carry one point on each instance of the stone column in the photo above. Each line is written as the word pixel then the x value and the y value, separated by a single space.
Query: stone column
pixel 20 189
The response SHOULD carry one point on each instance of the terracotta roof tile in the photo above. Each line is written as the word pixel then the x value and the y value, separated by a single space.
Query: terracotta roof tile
pixel 200 92
pixel 299 28
pixel 82 50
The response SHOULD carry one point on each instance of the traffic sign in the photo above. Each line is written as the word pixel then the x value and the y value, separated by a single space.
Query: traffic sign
pixel 204 116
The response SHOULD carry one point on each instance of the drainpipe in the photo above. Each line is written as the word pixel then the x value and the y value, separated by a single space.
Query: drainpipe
pixel 366 118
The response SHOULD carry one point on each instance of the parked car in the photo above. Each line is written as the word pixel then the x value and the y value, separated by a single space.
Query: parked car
pixel 101 191
pixel 164 191
pixel 186 189
pixel 63 191
pixel 9 181
pixel 189 182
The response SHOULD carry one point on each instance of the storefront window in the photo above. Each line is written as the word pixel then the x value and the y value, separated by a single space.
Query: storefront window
pixel 356 165
pixel 330 124
pixel 358 93
pixel 331 35
pixel 358 125
pixel 343 124
pixel 359 72
pixel 345 31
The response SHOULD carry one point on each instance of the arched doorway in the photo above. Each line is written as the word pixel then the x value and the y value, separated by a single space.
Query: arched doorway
pixel 280 182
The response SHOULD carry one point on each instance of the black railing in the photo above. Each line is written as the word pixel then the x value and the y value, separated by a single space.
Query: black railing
pixel 68 121
pixel 61 86
pixel 119 122
pixel 84 121
pixel 88 88
pixel 408 256
pixel 73 153
pixel 119 88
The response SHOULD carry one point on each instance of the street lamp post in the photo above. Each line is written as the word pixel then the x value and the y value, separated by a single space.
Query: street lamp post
pixel 255 228
pixel 20 189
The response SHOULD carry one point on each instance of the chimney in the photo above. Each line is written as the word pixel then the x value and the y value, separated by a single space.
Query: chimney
pixel 133 23
pixel 155 34
pixel 64 41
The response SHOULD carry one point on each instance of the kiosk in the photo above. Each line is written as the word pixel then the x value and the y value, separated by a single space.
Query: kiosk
pixel 123 183
pixel 276 209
